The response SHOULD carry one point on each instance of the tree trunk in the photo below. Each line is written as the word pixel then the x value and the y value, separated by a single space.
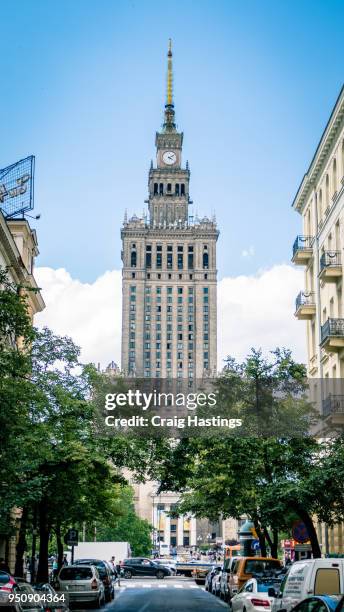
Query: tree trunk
pixel 21 545
pixel 43 571
pixel 306 518
pixel 274 544
pixel 59 546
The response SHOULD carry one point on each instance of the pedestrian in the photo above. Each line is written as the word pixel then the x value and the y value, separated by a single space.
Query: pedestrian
pixel 64 560
pixel 4 566
pixel 118 570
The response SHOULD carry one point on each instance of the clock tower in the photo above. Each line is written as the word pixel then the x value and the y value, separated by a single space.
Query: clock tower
pixel 168 182
pixel 169 324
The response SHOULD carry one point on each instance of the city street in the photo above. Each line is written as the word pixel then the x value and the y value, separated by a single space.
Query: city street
pixel 168 595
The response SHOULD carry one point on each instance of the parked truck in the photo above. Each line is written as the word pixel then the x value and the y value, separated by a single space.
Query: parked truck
pixel 102 551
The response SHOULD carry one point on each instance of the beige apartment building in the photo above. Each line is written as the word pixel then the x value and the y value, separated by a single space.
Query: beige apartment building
pixel 320 202
pixel 18 249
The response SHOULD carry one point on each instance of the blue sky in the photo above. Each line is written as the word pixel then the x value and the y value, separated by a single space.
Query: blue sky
pixel 82 88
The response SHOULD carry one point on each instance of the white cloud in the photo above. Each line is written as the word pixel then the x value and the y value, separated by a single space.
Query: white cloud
pixel 88 312
pixel 248 252
pixel 253 311
pixel 259 311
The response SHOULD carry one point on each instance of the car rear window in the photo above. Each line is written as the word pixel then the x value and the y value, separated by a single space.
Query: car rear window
pixel 100 565
pixel 76 573
pixel 253 566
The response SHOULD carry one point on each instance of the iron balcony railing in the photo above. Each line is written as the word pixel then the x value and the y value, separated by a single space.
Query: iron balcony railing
pixel 330 259
pixel 305 298
pixel 302 242
pixel 333 404
pixel 332 327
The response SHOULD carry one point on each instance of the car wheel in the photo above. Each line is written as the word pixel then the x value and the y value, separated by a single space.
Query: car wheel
pixel 127 574
pixel 160 575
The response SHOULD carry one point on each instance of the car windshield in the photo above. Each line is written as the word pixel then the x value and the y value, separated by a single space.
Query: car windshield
pixel 76 573
pixel 254 566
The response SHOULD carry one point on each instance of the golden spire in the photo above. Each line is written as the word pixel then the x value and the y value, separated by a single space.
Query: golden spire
pixel 169 97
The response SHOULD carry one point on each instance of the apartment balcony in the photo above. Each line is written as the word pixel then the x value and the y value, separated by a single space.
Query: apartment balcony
pixel 330 266
pixel 302 250
pixel 332 335
pixel 305 305
pixel 333 406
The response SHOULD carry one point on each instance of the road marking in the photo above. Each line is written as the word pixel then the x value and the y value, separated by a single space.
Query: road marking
pixel 146 586
pixel 178 586
pixel 162 586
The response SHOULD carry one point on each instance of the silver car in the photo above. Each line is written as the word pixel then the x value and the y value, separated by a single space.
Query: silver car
pixel 82 584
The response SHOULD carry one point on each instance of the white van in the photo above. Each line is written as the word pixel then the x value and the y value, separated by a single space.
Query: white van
pixel 309 577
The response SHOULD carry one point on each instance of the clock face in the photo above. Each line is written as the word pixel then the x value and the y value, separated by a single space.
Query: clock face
pixel 169 158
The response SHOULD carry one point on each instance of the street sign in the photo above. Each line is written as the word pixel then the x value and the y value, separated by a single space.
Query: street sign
pixel 255 545
pixel 72 537
pixel 300 533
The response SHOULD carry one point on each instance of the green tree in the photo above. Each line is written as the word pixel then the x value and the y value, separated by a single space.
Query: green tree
pixel 126 526
pixel 272 478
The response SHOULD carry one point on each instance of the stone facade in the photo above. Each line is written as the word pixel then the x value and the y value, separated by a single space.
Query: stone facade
pixel 320 202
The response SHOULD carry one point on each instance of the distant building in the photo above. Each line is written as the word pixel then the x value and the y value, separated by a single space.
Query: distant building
pixel 169 319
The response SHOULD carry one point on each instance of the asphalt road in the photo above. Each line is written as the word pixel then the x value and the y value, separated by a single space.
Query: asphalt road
pixel 168 595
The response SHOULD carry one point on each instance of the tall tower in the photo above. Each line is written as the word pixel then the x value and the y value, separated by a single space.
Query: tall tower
pixel 169 323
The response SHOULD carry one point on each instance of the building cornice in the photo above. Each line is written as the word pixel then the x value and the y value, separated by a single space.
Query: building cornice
pixel 328 137
pixel 15 263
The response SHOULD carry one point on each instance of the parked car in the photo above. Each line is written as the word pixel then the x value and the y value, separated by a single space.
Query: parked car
pixel 82 583
pixel 107 574
pixel 200 573
pixel 49 604
pixel 215 583
pixel 320 603
pixel 209 577
pixel 7 582
pixel 23 588
pixel 309 577
pixel 254 595
pixel 245 568
pixel 225 586
pixel 141 566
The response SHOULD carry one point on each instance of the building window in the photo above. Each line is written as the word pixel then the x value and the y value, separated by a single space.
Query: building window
pixel 190 257
pixel 133 275
pixel 133 259
pixel 182 189
pixel 161 189
pixel 205 260
pixel 159 256
pixel 180 258
pixel 169 257
pixel 169 187
pixel 177 189
pixel 148 256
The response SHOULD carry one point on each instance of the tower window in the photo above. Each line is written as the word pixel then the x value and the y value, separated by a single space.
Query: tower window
pixel 148 256
pixel 182 189
pixel 159 256
pixel 161 189
pixel 169 256
pixel 156 188
pixel 177 189
pixel 169 187
pixel 205 259
pixel 133 259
